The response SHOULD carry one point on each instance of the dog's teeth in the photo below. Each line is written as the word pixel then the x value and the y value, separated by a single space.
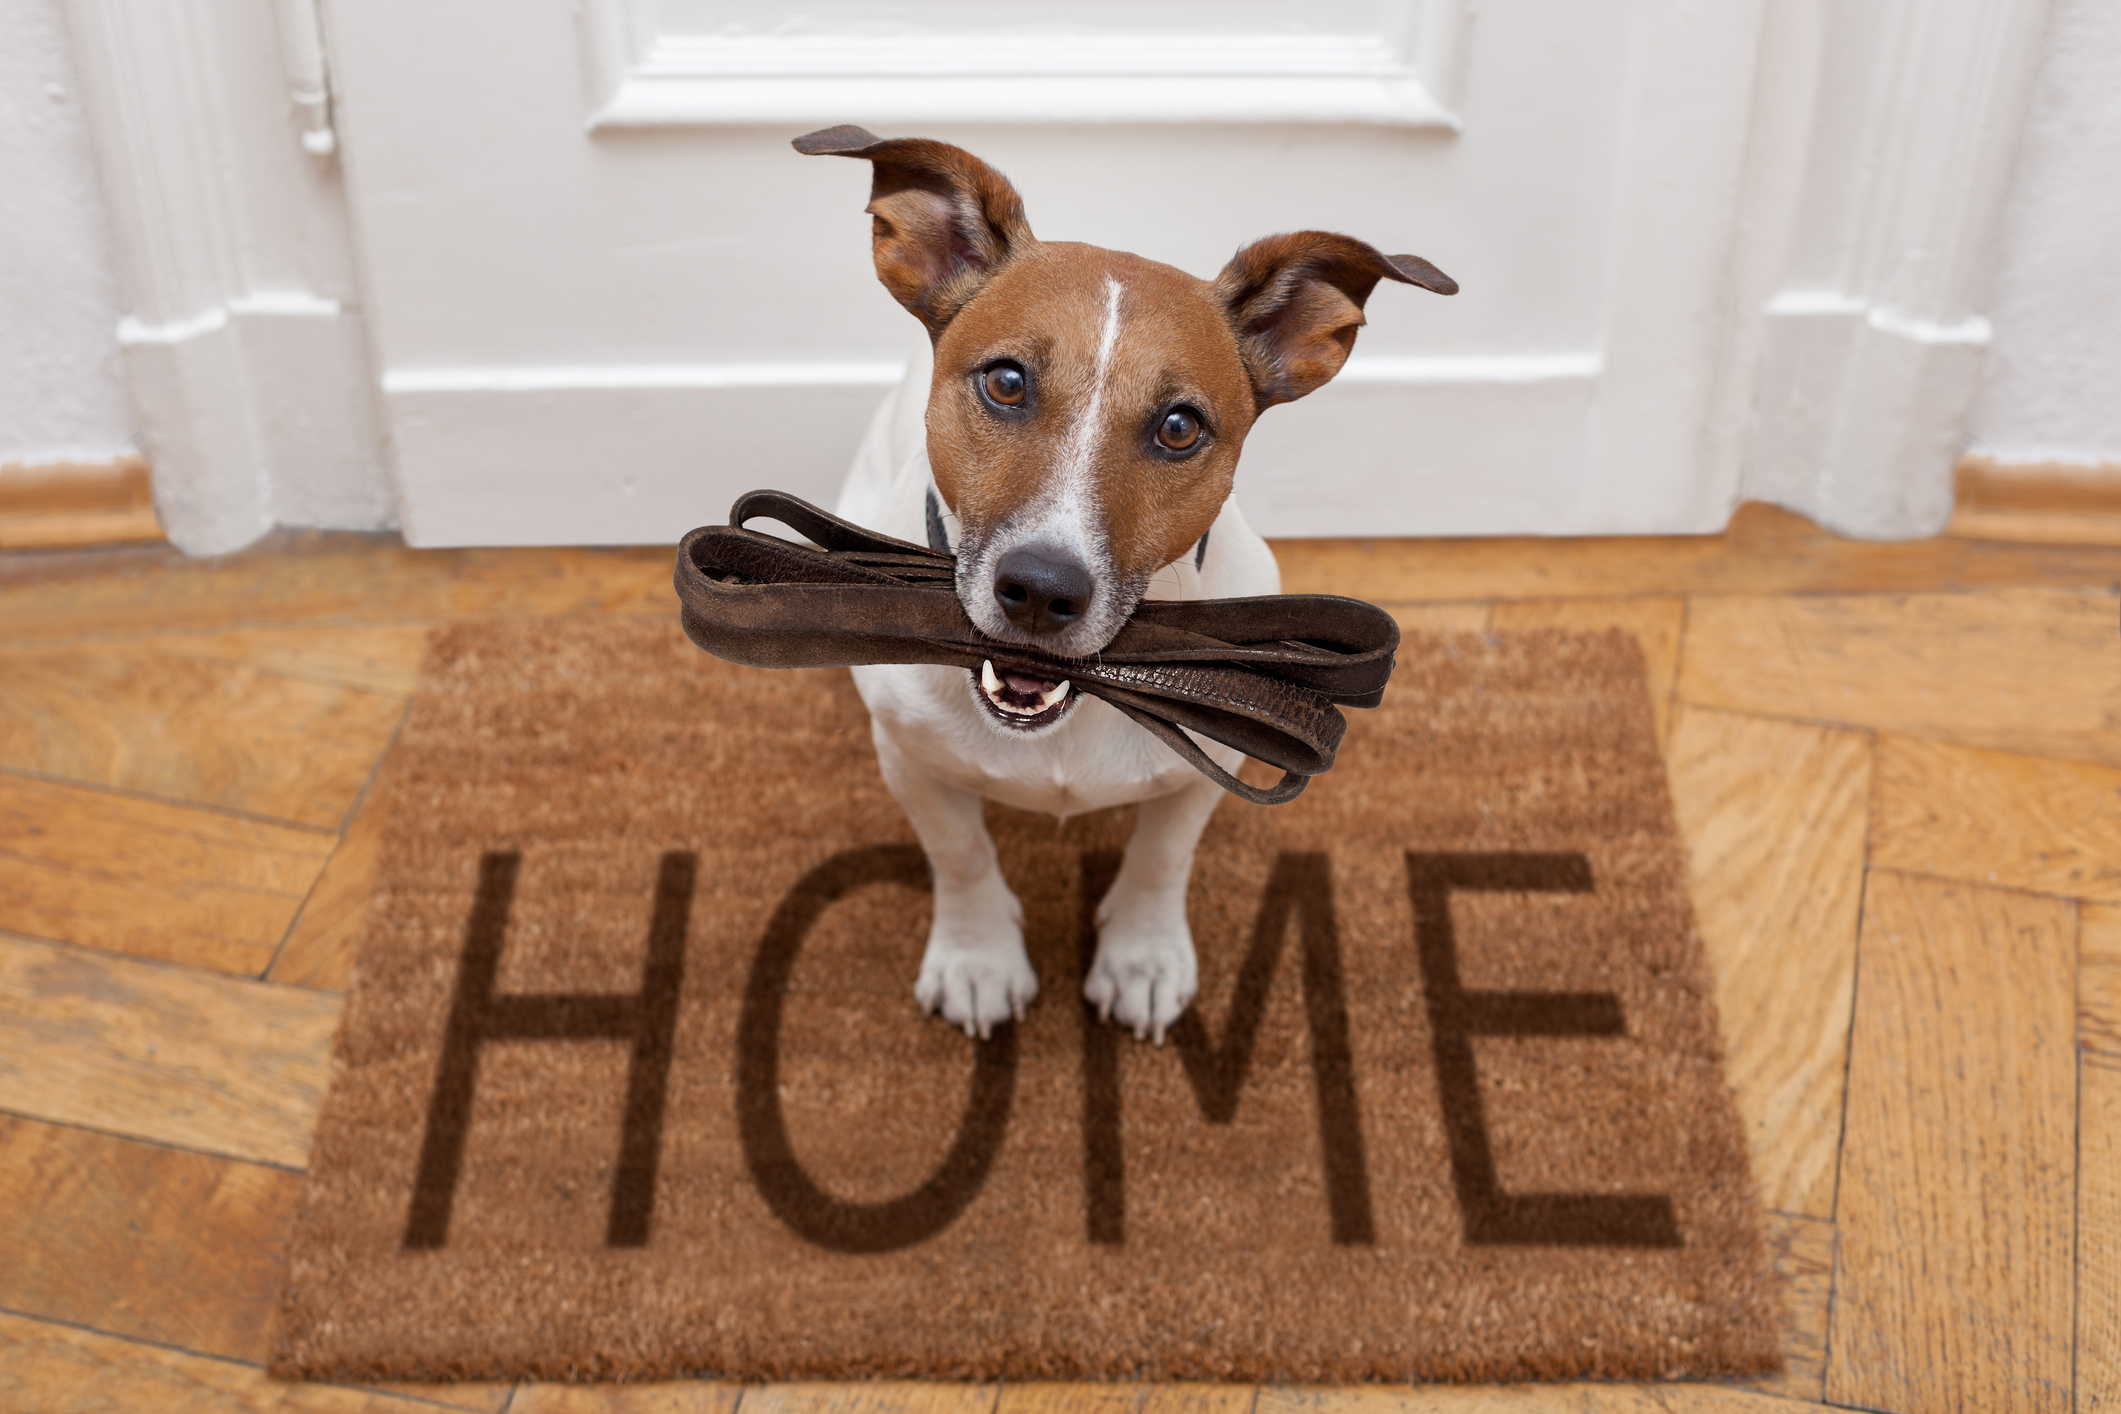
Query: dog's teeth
pixel 997 692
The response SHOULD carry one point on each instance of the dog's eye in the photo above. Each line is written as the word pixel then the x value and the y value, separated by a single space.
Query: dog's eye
pixel 1179 430
pixel 1005 384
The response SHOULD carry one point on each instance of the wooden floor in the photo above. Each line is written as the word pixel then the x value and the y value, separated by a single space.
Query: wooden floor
pixel 1898 767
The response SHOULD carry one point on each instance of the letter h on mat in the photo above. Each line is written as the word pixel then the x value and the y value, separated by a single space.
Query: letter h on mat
pixel 477 1015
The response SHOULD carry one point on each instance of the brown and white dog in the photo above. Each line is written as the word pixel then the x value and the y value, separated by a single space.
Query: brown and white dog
pixel 1073 442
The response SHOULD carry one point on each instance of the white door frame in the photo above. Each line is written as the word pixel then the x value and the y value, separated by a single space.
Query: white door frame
pixel 242 340
pixel 1834 369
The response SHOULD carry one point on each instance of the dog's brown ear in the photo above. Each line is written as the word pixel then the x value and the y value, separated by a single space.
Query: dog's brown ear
pixel 1296 302
pixel 944 220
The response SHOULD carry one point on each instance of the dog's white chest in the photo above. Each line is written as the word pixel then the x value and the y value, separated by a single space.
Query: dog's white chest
pixel 1094 759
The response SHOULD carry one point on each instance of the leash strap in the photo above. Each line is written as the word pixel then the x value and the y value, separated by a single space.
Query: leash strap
pixel 1265 675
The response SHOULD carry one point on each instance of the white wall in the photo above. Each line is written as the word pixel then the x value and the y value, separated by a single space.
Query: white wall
pixel 2052 389
pixel 62 394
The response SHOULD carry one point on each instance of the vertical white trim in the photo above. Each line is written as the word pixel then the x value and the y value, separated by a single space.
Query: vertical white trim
pixel 308 79
pixel 243 352
pixel 1076 458
pixel 1682 154
pixel 1868 336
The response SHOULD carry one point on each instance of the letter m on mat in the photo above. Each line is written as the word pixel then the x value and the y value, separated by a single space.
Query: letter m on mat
pixel 1300 891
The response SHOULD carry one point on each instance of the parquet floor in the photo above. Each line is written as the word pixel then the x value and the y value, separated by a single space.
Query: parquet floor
pixel 1898 767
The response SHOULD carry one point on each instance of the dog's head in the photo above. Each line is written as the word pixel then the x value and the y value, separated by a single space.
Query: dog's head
pixel 1089 406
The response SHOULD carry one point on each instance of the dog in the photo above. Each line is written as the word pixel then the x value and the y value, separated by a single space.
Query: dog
pixel 1071 437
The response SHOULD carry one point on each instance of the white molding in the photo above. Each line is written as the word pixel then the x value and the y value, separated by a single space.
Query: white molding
pixel 247 370
pixel 1400 75
pixel 1870 334
pixel 132 331
pixel 308 75
pixel 295 304
pixel 1692 68
pixel 1797 304
pixel 1471 368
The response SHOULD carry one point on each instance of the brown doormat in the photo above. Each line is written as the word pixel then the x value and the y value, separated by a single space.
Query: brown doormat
pixel 631 1083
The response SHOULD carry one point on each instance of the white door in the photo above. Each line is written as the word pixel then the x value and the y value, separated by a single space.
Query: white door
pixel 605 296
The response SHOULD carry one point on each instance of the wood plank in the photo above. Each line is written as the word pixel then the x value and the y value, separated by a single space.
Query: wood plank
pixel 2052 503
pixel 143 877
pixel 157 1052
pixel 105 525
pixel 1068 1397
pixel 310 576
pixel 320 949
pixel 1952 1285
pixel 2030 670
pixel 2099 978
pixel 381 658
pixel 95 503
pixel 1440 618
pixel 2035 527
pixel 479 1398
pixel 130 716
pixel 141 1240
pixel 1774 815
pixel 2099 1236
pixel 306 577
pixel 1766 550
pixel 1995 817
pixel 1661 1398
pixel 153 1243
pixel 679 1397
pixel 1065 1397
pixel 52 1367
pixel 1803 1251
pixel 867 1397
pixel 1656 623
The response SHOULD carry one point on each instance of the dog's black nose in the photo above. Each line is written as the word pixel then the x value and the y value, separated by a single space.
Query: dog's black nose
pixel 1041 595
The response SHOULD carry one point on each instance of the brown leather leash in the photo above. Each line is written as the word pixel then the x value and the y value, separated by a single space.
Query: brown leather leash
pixel 1262 674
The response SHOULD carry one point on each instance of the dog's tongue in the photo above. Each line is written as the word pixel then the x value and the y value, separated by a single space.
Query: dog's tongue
pixel 1029 686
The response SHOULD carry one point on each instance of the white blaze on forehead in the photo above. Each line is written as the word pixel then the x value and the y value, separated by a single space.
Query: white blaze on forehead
pixel 1078 452
pixel 1062 514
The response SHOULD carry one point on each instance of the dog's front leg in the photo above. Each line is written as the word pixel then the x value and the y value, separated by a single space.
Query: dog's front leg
pixel 1144 974
pixel 975 971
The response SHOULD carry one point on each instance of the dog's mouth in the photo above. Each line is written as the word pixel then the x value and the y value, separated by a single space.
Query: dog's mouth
pixel 1022 699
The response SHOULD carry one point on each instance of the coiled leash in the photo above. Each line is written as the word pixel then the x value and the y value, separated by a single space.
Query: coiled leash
pixel 1260 674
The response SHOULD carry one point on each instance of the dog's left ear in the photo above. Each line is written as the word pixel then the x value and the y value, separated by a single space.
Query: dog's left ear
pixel 1296 301
pixel 944 220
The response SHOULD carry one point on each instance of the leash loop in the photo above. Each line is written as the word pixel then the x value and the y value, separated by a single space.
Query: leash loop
pixel 1265 675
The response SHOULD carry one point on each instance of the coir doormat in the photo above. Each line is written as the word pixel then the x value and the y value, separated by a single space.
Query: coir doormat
pixel 632 1084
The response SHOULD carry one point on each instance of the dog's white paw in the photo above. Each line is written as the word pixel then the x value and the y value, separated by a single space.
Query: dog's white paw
pixel 975 971
pixel 1144 975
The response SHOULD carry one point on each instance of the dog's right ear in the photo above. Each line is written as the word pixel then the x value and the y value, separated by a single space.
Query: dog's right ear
pixel 944 220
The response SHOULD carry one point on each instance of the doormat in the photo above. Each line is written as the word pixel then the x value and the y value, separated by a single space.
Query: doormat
pixel 632 1085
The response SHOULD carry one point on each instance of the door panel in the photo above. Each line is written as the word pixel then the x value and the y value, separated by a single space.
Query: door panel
pixel 606 296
